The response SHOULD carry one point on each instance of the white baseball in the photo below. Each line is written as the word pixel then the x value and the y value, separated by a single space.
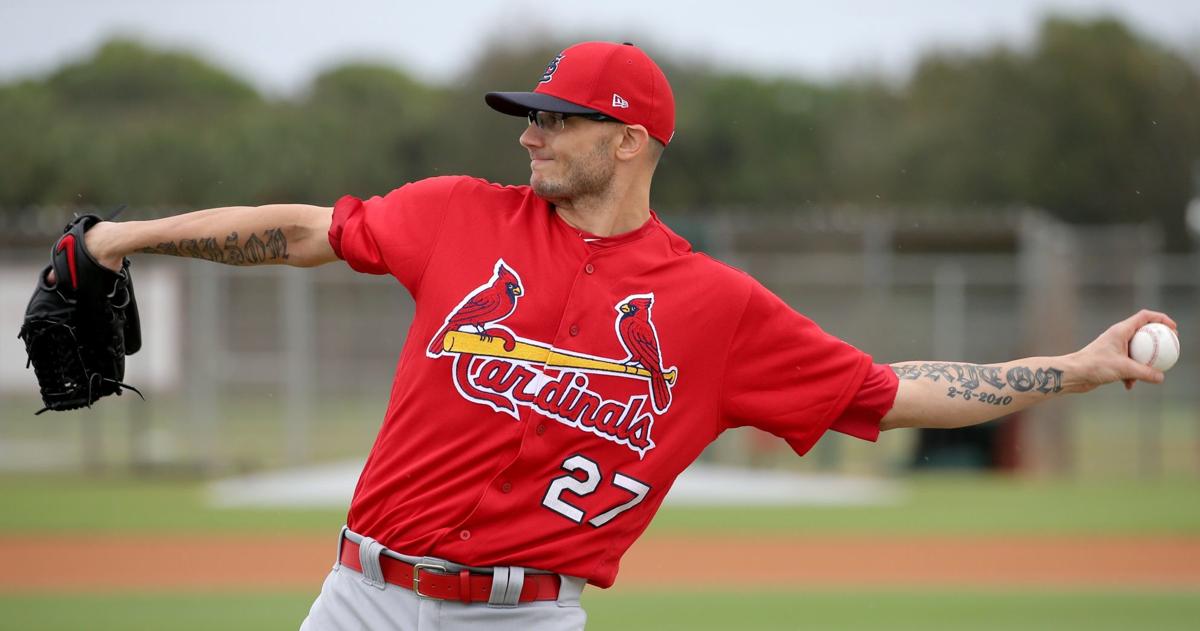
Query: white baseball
pixel 1155 345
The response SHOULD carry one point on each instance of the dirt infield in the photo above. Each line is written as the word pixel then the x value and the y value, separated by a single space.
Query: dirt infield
pixel 111 563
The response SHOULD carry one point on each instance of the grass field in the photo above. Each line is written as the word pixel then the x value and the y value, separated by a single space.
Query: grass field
pixel 931 505
pixel 659 610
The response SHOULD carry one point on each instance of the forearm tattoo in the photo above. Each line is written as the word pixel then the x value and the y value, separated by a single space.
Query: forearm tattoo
pixel 272 246
pixel 985 384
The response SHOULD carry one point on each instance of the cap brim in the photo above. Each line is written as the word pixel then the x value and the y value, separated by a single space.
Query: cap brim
pixel 521 103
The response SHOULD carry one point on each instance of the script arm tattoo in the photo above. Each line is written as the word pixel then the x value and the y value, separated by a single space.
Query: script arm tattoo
pixel 986 384
pixel 255 249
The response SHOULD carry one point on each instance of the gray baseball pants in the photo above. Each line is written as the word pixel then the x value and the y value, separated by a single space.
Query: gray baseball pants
pixel 353 601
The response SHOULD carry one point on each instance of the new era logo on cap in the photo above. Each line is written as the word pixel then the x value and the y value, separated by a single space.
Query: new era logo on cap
pixel 618 80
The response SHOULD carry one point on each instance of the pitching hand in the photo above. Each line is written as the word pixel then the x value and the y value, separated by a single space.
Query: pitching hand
pixel 1107 359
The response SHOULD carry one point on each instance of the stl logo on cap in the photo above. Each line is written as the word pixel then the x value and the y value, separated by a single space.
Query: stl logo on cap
pixel 551 68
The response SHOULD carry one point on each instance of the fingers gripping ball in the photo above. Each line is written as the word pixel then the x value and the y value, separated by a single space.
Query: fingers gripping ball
pixel 1155 345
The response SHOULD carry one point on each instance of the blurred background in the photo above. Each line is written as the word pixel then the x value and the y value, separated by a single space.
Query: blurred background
pixel 944 181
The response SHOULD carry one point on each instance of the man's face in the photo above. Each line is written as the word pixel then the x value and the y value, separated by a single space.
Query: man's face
pixel 574 161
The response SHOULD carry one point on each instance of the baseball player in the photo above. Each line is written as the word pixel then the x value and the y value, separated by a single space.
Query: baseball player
pixel 569 357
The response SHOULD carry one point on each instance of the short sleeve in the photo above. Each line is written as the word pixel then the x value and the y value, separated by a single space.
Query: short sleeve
pixel 873 401
pixel 785 375
pixel 394 234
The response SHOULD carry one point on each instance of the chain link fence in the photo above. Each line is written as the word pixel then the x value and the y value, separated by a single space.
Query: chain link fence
pixel 252 368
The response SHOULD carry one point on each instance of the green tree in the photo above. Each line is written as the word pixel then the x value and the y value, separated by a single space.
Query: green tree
pixel 131 125
pixel 1095 124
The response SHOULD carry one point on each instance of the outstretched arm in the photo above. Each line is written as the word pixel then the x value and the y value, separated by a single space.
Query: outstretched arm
pixel 951 394
pixel 281 234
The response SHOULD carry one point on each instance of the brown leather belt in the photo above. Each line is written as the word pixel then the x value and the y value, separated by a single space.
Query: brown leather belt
pixel 435 581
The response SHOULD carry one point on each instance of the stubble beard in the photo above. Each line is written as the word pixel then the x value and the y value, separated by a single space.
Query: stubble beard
pixel 587 176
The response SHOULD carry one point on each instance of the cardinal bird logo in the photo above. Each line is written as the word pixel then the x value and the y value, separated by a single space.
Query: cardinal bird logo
pixel 490 303
pixel 492 366
pixel 637 334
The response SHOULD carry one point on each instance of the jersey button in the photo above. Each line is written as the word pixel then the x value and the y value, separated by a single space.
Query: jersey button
pixel 464 534
pixel 506 487
pixel 541 429
pixel 589 268
pixel 574 330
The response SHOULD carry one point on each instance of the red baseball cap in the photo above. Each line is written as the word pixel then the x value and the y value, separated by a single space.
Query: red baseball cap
pixel 617 80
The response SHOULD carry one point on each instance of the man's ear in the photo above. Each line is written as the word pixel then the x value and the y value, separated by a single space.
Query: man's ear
pixel 633 142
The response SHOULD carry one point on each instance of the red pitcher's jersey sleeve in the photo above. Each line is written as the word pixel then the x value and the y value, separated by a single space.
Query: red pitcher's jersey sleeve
pixel 785 375
pixel 394 234
pixel 874 400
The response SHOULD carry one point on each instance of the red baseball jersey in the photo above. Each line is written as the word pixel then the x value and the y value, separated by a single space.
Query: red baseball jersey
pixel 553 384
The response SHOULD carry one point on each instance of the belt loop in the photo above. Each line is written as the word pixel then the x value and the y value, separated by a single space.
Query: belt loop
pixel 516 584
pixel 368 557
pixel 507 583
pixel 337 561
pixel 499 587
pixel 569 590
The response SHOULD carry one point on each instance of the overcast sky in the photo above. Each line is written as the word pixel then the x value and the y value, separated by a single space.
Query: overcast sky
pixel 280 45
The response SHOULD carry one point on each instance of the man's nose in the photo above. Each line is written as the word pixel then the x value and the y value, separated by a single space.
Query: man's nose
pixel 531 137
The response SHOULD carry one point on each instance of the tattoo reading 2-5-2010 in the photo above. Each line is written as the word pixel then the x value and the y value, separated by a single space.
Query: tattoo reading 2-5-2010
pixel 971 377
pixel 272 246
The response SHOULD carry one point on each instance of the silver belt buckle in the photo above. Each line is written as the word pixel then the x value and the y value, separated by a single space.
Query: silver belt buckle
pixel 417 576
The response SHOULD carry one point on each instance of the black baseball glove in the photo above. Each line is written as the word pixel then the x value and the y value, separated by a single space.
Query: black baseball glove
pixel 78 330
